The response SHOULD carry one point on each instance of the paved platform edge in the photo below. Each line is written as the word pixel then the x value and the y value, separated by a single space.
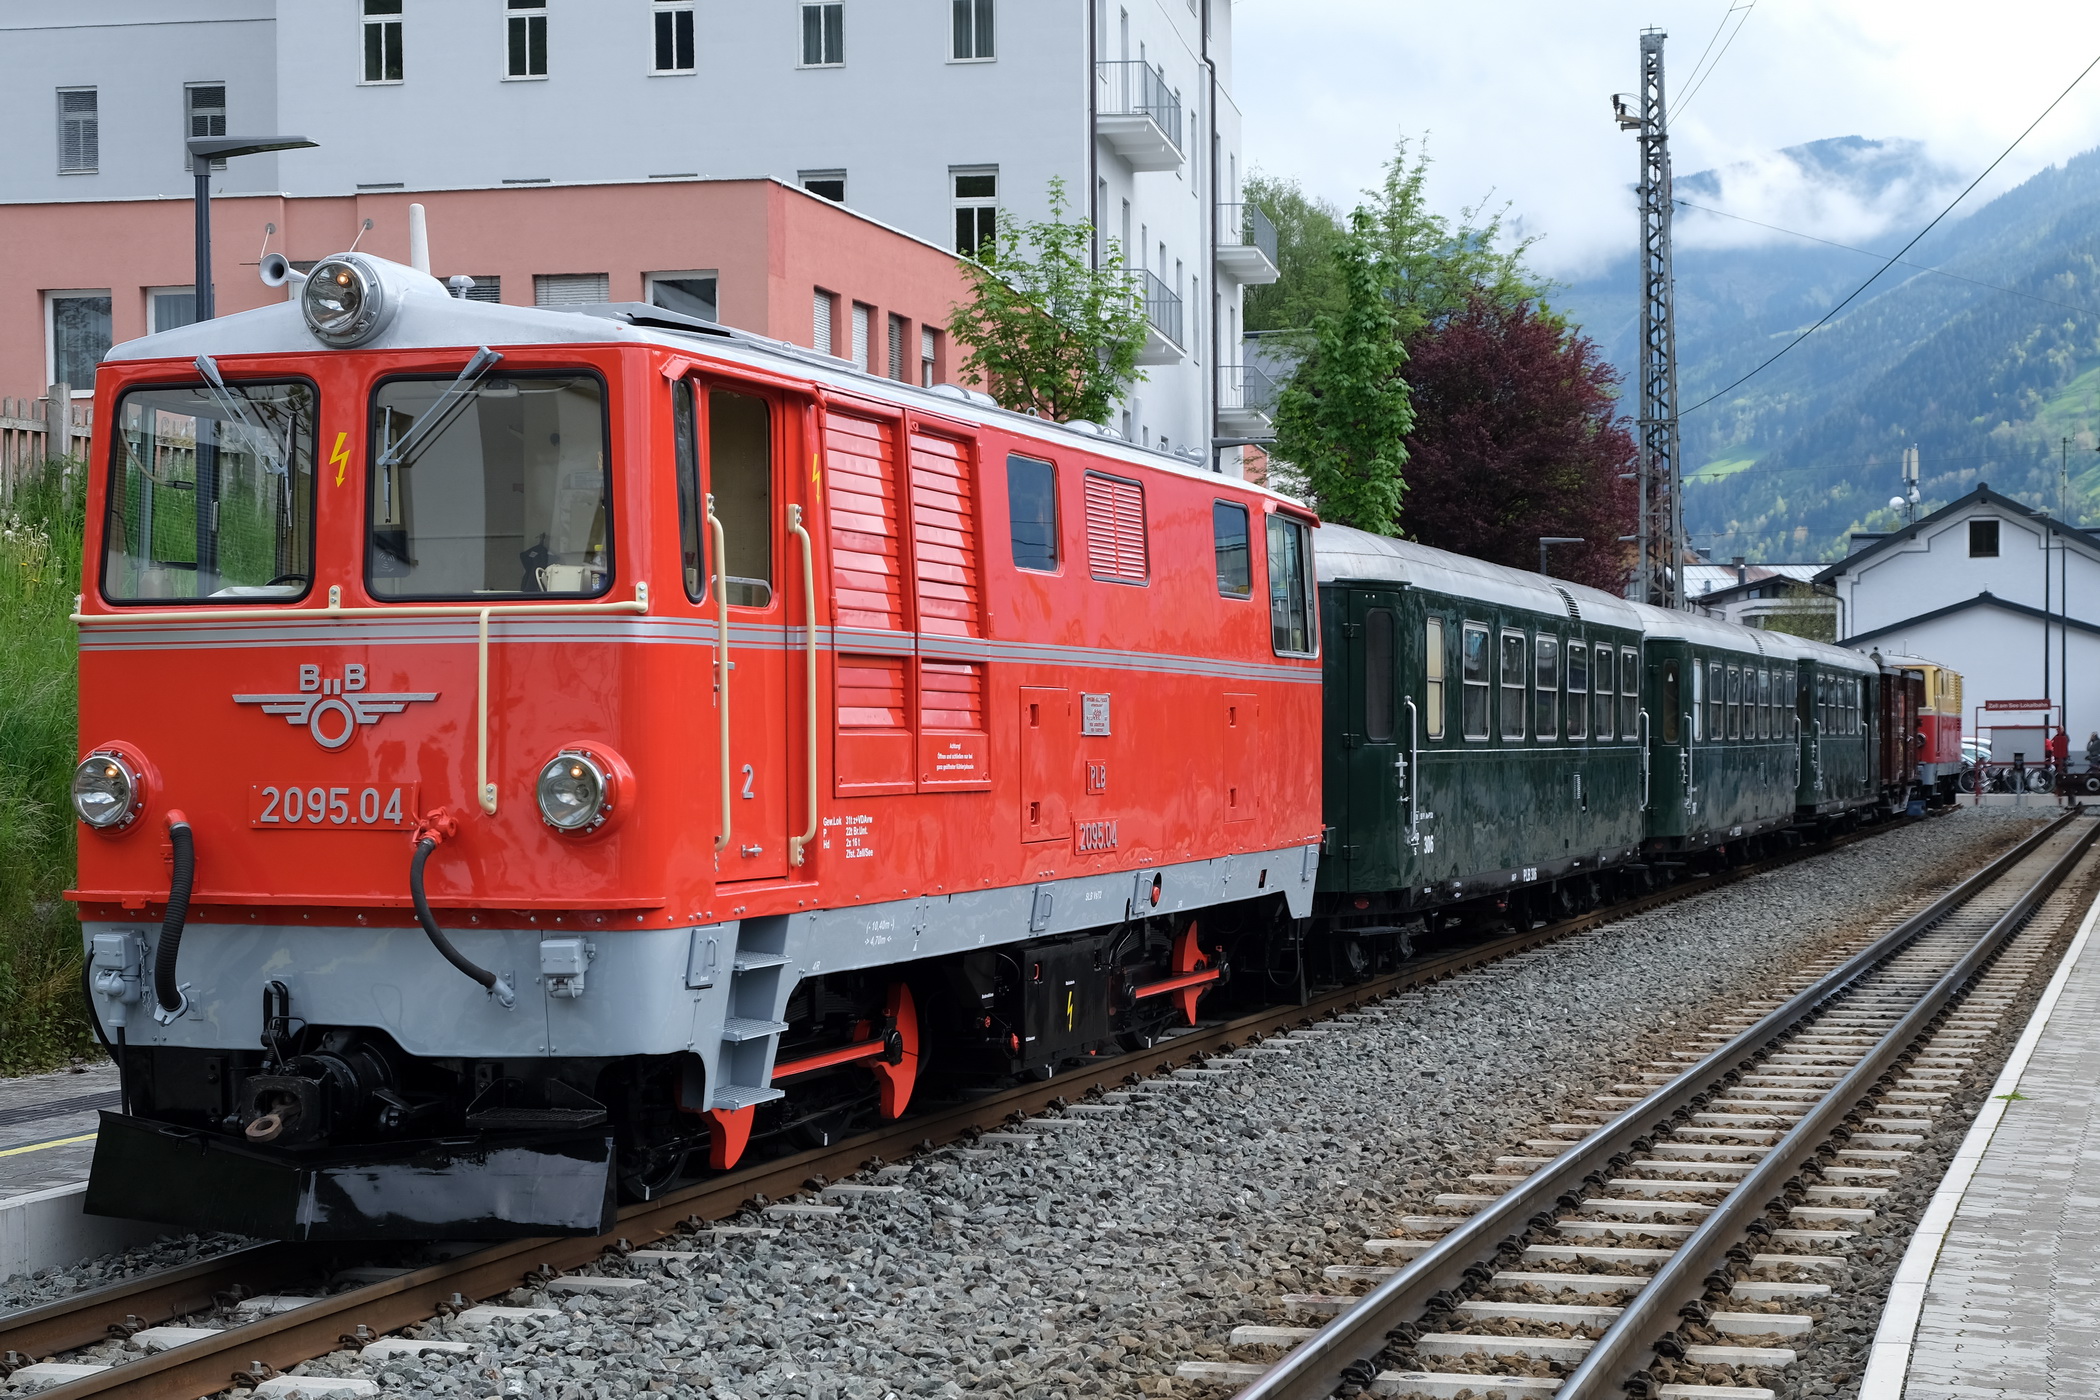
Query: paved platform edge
pixel 42 1228
pixel 1888 1363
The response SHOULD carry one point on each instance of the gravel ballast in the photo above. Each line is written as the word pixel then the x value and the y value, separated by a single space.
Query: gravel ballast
pixel 1093 1258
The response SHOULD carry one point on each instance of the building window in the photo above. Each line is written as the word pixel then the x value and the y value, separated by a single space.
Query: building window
pixel 207 116
pixel 79 323
pixel 830 184
pixel 382 41
pixel 1513 687
pixel 823 311
pixel 527 39
pixel 674 38
pixel 1473 674
pixel 823 35
pixel 1031 504
pixel 1983 539
pixel 928 347
pixel 169 307
pixel 488 288
pixel 973 30
pixel 976 207
pixel 900 342
pixel 1228 534
pixel 1433 676
pixel 863 321
pixel 79 132
pixel 687 293
pixel 571 288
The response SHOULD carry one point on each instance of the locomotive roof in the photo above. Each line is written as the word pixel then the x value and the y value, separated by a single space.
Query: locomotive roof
pixel 1345 553
pixel 431 318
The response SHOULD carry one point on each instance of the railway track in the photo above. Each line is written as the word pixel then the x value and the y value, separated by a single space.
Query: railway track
pixel 242 1345
pixel 1668 1250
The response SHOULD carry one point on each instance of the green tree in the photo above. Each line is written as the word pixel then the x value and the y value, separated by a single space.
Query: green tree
pixel 1049 332
pixel 1434 267
pixel 1308 231
pixel 1805 611
pixel 1341 419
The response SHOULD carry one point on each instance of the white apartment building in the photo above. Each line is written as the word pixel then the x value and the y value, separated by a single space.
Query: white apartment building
pixel 937 117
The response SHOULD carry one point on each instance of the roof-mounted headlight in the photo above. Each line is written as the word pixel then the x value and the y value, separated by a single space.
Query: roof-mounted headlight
pixel 345 300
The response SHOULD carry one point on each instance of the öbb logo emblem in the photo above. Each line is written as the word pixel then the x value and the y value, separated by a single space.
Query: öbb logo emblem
pixel 332 708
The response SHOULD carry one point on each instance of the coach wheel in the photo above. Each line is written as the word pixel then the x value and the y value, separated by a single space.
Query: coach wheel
pixel 2089 783
pixel 2038 780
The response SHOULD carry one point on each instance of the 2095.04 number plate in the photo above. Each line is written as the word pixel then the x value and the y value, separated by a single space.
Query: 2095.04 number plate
pixel 362 807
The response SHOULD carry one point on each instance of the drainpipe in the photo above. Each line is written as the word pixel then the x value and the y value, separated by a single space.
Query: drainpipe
pixel 1093 120
pixel 1210 67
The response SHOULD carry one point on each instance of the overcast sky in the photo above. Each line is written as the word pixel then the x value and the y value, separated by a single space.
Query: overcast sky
pixel 1514 96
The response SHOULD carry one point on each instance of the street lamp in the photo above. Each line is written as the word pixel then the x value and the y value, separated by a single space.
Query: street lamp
pixel 1545 540
pixel 203 151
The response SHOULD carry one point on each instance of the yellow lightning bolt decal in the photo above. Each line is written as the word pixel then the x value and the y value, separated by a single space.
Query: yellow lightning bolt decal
pixel 340 458
pixel 816 480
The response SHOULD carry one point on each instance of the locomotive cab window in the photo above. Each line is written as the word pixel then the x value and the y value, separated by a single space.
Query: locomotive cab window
pixel 1603 693
pixel 1473 676
pixel 493 488
pixel 1378 676
pixel 1671 699
pixel 211 495
pixel 1546 681
pixel 1433 676
pixel 1290 588
pixel 740 474
pixel 1629 693
pixel 1513 649
pixel 1228 533
pixel 1031 506
pixel 1578 690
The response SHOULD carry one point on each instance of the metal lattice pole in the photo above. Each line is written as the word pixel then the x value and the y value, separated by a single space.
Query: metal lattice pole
pixel 1658 574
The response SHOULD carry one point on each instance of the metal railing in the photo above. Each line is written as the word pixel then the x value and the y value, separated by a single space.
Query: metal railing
pixel 1131 87
pixel 1247 386
pixel 1162 305
pixel 1246 226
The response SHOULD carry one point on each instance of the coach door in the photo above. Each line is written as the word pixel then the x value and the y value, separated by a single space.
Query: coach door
pixel 1379 757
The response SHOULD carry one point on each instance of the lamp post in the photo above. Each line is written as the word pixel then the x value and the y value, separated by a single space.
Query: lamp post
pixel 1545 540
pixel 203 151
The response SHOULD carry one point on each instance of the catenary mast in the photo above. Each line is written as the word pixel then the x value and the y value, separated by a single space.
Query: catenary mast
pixel 1658 573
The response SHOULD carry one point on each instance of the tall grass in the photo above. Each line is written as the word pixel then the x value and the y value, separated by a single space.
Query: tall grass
pixel 42 1020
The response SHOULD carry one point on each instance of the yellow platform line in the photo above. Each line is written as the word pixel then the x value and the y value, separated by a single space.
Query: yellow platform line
pixel 40 1146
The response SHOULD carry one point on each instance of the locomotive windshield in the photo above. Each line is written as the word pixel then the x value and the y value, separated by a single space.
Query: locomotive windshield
pixel 212 494
pixel 505 494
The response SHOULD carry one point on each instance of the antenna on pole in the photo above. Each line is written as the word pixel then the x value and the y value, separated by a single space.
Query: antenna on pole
pixel 1659 540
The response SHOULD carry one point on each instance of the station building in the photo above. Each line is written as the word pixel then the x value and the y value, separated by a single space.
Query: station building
pixel 2004 594
pixel 934 120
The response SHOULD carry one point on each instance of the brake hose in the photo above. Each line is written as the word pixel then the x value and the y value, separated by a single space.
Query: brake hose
pixel 166 994
pixel 497 987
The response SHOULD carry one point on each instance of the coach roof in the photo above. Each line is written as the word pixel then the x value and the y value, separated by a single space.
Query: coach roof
pixel 1344 553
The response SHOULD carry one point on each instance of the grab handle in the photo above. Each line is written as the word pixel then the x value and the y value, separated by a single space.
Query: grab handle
pixel 798 846
pixel 714 527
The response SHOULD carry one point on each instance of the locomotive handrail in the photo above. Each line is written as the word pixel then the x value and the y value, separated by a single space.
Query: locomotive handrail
pixel 719 582
pixel 798 846
pixel 335 611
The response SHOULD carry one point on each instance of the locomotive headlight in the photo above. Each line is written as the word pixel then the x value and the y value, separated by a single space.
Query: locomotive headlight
pixel 575 791
pixel 107 792
pixel 345 300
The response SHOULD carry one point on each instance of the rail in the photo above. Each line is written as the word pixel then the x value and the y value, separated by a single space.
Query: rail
pixel 1342 1350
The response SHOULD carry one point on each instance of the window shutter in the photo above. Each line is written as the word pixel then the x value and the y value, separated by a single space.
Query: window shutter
pixel 860 335
pixel 860 464
pixel 820 318
pixel 897 370
pixel 944 537
pixel 571 288
pixel 1115 529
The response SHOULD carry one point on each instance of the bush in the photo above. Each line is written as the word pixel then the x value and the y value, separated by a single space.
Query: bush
pixel 42 1021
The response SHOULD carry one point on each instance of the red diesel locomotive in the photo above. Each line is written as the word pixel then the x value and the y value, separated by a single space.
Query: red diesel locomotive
pixel 525 749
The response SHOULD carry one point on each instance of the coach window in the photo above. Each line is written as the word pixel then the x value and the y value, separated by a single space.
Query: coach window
pixel 1764 704
pixel 1804 698
pixel 1735 702
pixel 1716 701
pixel 1290 588
pixel 1473 676
pixel 1378 676
pixel 1433 676
pixel 1578 690
pixel 1672 699
pixel 1605 687
pixel 1513 649
pixel 1228 534
pixel 1698 704
pixel 740 473
pixel 1629 693
pixel 498 488
pixel 1546 679
pixel 1031 507
pixel 211 495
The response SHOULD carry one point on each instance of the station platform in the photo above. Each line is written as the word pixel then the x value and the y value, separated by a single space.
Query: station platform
pixel 1997 1295
pixel 47 1141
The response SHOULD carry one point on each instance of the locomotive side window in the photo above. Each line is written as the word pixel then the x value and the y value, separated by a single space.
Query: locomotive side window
pixel 1578 690
pixel 685 441
pixel 1513 685
pixel 1672 701
pixel 1629 693
pixel 1290 588
pixel 496 488
pixel 740 473
pixel 1473 677
pixel 1605 687
pixel 211 495
pixel 1031 507
pixel 1228 533
pixel 1378 676
pixel 1698 710
pixel 1545 673
pixel 1433 676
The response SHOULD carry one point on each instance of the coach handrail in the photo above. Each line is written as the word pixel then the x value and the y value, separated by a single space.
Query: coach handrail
pixel 1647 759
pixel 1414 774
pixel 721 587
pixel 798 846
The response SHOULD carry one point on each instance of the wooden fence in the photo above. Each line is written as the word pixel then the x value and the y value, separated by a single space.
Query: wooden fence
pixel 30 435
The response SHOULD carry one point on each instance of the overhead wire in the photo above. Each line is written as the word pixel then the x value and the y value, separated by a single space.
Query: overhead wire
pixel 1853 295
pixel 1698 79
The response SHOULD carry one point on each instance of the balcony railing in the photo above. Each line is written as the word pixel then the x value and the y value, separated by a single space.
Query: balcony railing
pixel 1247 387
pixel 1162 305
pixel 1246 226
pixel 1130 87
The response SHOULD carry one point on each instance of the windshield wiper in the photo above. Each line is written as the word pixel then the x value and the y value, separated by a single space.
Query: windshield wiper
pixel 235 406
pixel 449 406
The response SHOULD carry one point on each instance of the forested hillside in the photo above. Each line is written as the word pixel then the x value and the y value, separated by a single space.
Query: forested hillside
pixel 1985 382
